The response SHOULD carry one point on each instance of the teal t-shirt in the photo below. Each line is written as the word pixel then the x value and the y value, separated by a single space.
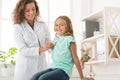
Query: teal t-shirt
pixel 61 54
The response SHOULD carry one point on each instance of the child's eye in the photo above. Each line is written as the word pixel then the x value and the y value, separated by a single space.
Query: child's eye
pixel 56 25
pixel 62 24
pixel 59 25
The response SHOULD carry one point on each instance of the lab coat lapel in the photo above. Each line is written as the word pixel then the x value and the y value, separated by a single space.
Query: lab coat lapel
pixel 30 29
pixel 36 30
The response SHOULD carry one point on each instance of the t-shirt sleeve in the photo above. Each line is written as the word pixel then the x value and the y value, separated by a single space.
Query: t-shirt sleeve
pixel 70 39
pixel 54 40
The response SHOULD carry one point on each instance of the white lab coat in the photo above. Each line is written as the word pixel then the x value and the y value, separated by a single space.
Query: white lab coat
pixel 28 41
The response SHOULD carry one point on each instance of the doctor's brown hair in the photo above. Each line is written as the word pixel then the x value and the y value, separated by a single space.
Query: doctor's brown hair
pixel 18 13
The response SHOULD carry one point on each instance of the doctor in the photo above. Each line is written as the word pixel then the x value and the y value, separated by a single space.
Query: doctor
pixel 30 36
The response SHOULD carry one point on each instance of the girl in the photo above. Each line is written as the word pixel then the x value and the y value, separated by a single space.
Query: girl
pixel 64 54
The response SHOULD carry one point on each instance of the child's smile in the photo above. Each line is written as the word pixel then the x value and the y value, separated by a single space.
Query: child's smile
pixel 60 27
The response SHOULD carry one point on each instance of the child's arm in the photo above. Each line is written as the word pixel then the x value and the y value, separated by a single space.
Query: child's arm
pixel 46 46
pixel 42 49
pixel 77 62
pixel 49 44
pixel 75 58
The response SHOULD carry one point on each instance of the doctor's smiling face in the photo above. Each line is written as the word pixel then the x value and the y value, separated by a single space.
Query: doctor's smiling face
pixel 30 12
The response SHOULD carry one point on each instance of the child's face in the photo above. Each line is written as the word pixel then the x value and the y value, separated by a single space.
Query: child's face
pixel 60 27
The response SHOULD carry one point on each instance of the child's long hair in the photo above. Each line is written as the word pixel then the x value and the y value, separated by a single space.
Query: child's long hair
pixel 68 23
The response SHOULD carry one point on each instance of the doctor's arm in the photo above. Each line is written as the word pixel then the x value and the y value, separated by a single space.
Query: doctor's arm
pixel 22 45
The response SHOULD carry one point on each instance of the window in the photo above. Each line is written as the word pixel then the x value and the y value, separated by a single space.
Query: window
pixel 6 40
pixel 51 9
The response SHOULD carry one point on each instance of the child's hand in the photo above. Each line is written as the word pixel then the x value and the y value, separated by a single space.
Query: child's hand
pixel 49 44
pixel 43 48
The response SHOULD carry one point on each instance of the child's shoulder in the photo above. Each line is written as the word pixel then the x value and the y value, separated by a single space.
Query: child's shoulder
pixel 69 37
pixel 64 38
